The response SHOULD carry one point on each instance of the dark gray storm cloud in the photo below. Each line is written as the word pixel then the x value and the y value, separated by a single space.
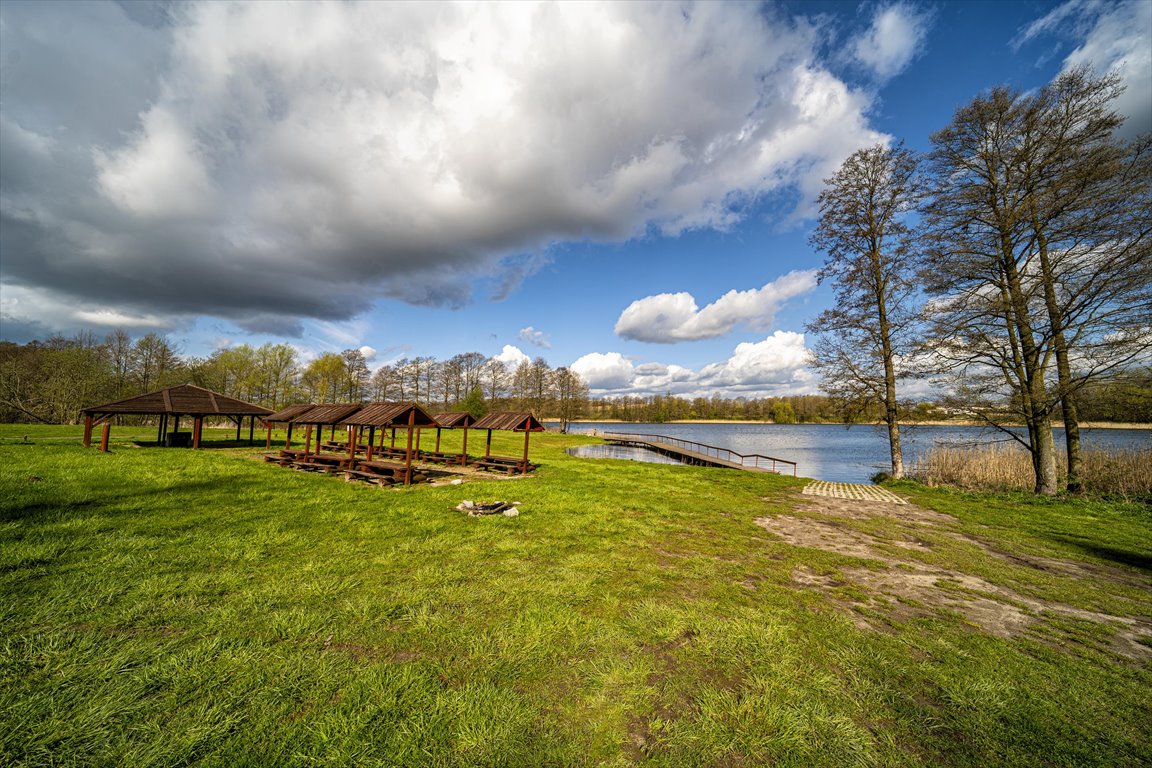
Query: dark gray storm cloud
pixel 263 162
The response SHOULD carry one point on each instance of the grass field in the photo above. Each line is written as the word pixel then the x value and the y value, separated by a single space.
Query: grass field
pixel 175 607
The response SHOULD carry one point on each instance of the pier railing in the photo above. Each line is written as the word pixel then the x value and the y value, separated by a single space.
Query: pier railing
pixel 756 460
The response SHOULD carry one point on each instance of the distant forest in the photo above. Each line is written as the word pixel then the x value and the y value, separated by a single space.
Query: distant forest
pixel 50 381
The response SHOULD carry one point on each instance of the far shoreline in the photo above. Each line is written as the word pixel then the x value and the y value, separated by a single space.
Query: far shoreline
pixel 936 423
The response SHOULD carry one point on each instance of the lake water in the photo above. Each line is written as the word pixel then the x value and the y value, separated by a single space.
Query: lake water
pixel 832 452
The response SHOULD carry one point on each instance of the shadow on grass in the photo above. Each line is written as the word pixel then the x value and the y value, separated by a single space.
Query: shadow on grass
pixel 1111 554
pixel 112 502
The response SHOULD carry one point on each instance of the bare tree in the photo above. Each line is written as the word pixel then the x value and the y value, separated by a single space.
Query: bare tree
pixel 356 376
pixel 1039 223
pixel 1088 207
pixel 570 393
pixel 988 325
pixel 864 341
pixel 496 376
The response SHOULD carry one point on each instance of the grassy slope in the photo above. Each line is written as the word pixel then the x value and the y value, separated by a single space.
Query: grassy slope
pixel 163 607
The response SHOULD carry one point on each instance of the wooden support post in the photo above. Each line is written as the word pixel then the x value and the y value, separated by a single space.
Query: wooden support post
pixel 393 437
pixel 308 440
pixel 87 430
pixel 176 425
pixel 524 469
pixel 353 438
pixel 371 441
pixel 288 442
pixel 160 430
pixel 488 447
pixel 251 429
pixel 104 437
pixel 239 422
pixel 268 443
pixel 197 425
pixel 437 439
pixel 408 455
pixel 418 431
pixel 464 450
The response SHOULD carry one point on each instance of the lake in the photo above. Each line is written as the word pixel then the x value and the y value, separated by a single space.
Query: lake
pixel 833 452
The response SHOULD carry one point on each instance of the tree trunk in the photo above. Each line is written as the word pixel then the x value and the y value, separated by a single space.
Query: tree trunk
pixel 1044 458
pixel 1063 367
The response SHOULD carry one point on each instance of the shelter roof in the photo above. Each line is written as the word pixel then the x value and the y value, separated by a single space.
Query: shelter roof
pixel 455 419
pixel 515 421
pixel 290 413
pixel 327 414
pixel 390 415
pixel 184 399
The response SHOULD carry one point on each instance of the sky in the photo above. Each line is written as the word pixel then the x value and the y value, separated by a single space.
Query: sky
pixel 624 188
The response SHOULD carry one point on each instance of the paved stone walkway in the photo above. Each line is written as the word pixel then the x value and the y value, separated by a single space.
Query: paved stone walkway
pixel 852 491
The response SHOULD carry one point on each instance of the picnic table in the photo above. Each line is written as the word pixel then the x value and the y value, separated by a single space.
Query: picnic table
pixel 286 456
pixel 440 457
pixel 505 464
pixel 323 462
pixel 391 452
pixel 338 447
pixel 398 472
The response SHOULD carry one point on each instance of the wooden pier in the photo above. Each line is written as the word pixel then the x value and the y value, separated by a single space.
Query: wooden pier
pixel 700 454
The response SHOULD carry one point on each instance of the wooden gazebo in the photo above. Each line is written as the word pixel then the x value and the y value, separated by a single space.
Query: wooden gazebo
pixel 323 416
pixel 172 403
pixel 514 421
pixel 408 415
pixel 286 416
pixel 455 420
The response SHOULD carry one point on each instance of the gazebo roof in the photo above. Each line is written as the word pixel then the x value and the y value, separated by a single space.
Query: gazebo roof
pixel 327 414
pixel 390 415
pixel 514 421
pixel 290 413
pixel 455 419
pixel 182 400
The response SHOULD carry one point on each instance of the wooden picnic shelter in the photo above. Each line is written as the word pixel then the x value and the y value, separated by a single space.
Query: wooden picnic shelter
pixel 171 403
pixel 323 416
pixel 455 420
pixel 286 416
pixel 384 415
pixel 514 421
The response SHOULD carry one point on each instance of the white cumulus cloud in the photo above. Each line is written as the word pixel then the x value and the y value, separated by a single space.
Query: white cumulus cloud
pixel 605 372
pixel 1109 36
pixel 671 317
pixel 512 357
pixel 895 37
pixel 776 365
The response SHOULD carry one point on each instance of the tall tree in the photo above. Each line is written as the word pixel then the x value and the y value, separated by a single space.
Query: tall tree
pixel 155 363
pixel 356 376
pixel 1088 207
pixel 325 377
pixel 864 341
pixel 278 370
pixel 570 393
pixel 988 329
pixel 1039 223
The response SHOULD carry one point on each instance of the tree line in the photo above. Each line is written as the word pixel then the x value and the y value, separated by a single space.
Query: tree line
pixel 1012 262
pixel 51 381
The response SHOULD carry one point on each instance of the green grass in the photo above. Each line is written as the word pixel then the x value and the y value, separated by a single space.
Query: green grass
pixel 177 607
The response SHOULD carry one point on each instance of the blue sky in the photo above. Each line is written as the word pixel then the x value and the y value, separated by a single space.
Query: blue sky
pixel 625 188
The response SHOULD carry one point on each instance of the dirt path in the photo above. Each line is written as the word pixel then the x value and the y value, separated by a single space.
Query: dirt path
pixel 904 587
